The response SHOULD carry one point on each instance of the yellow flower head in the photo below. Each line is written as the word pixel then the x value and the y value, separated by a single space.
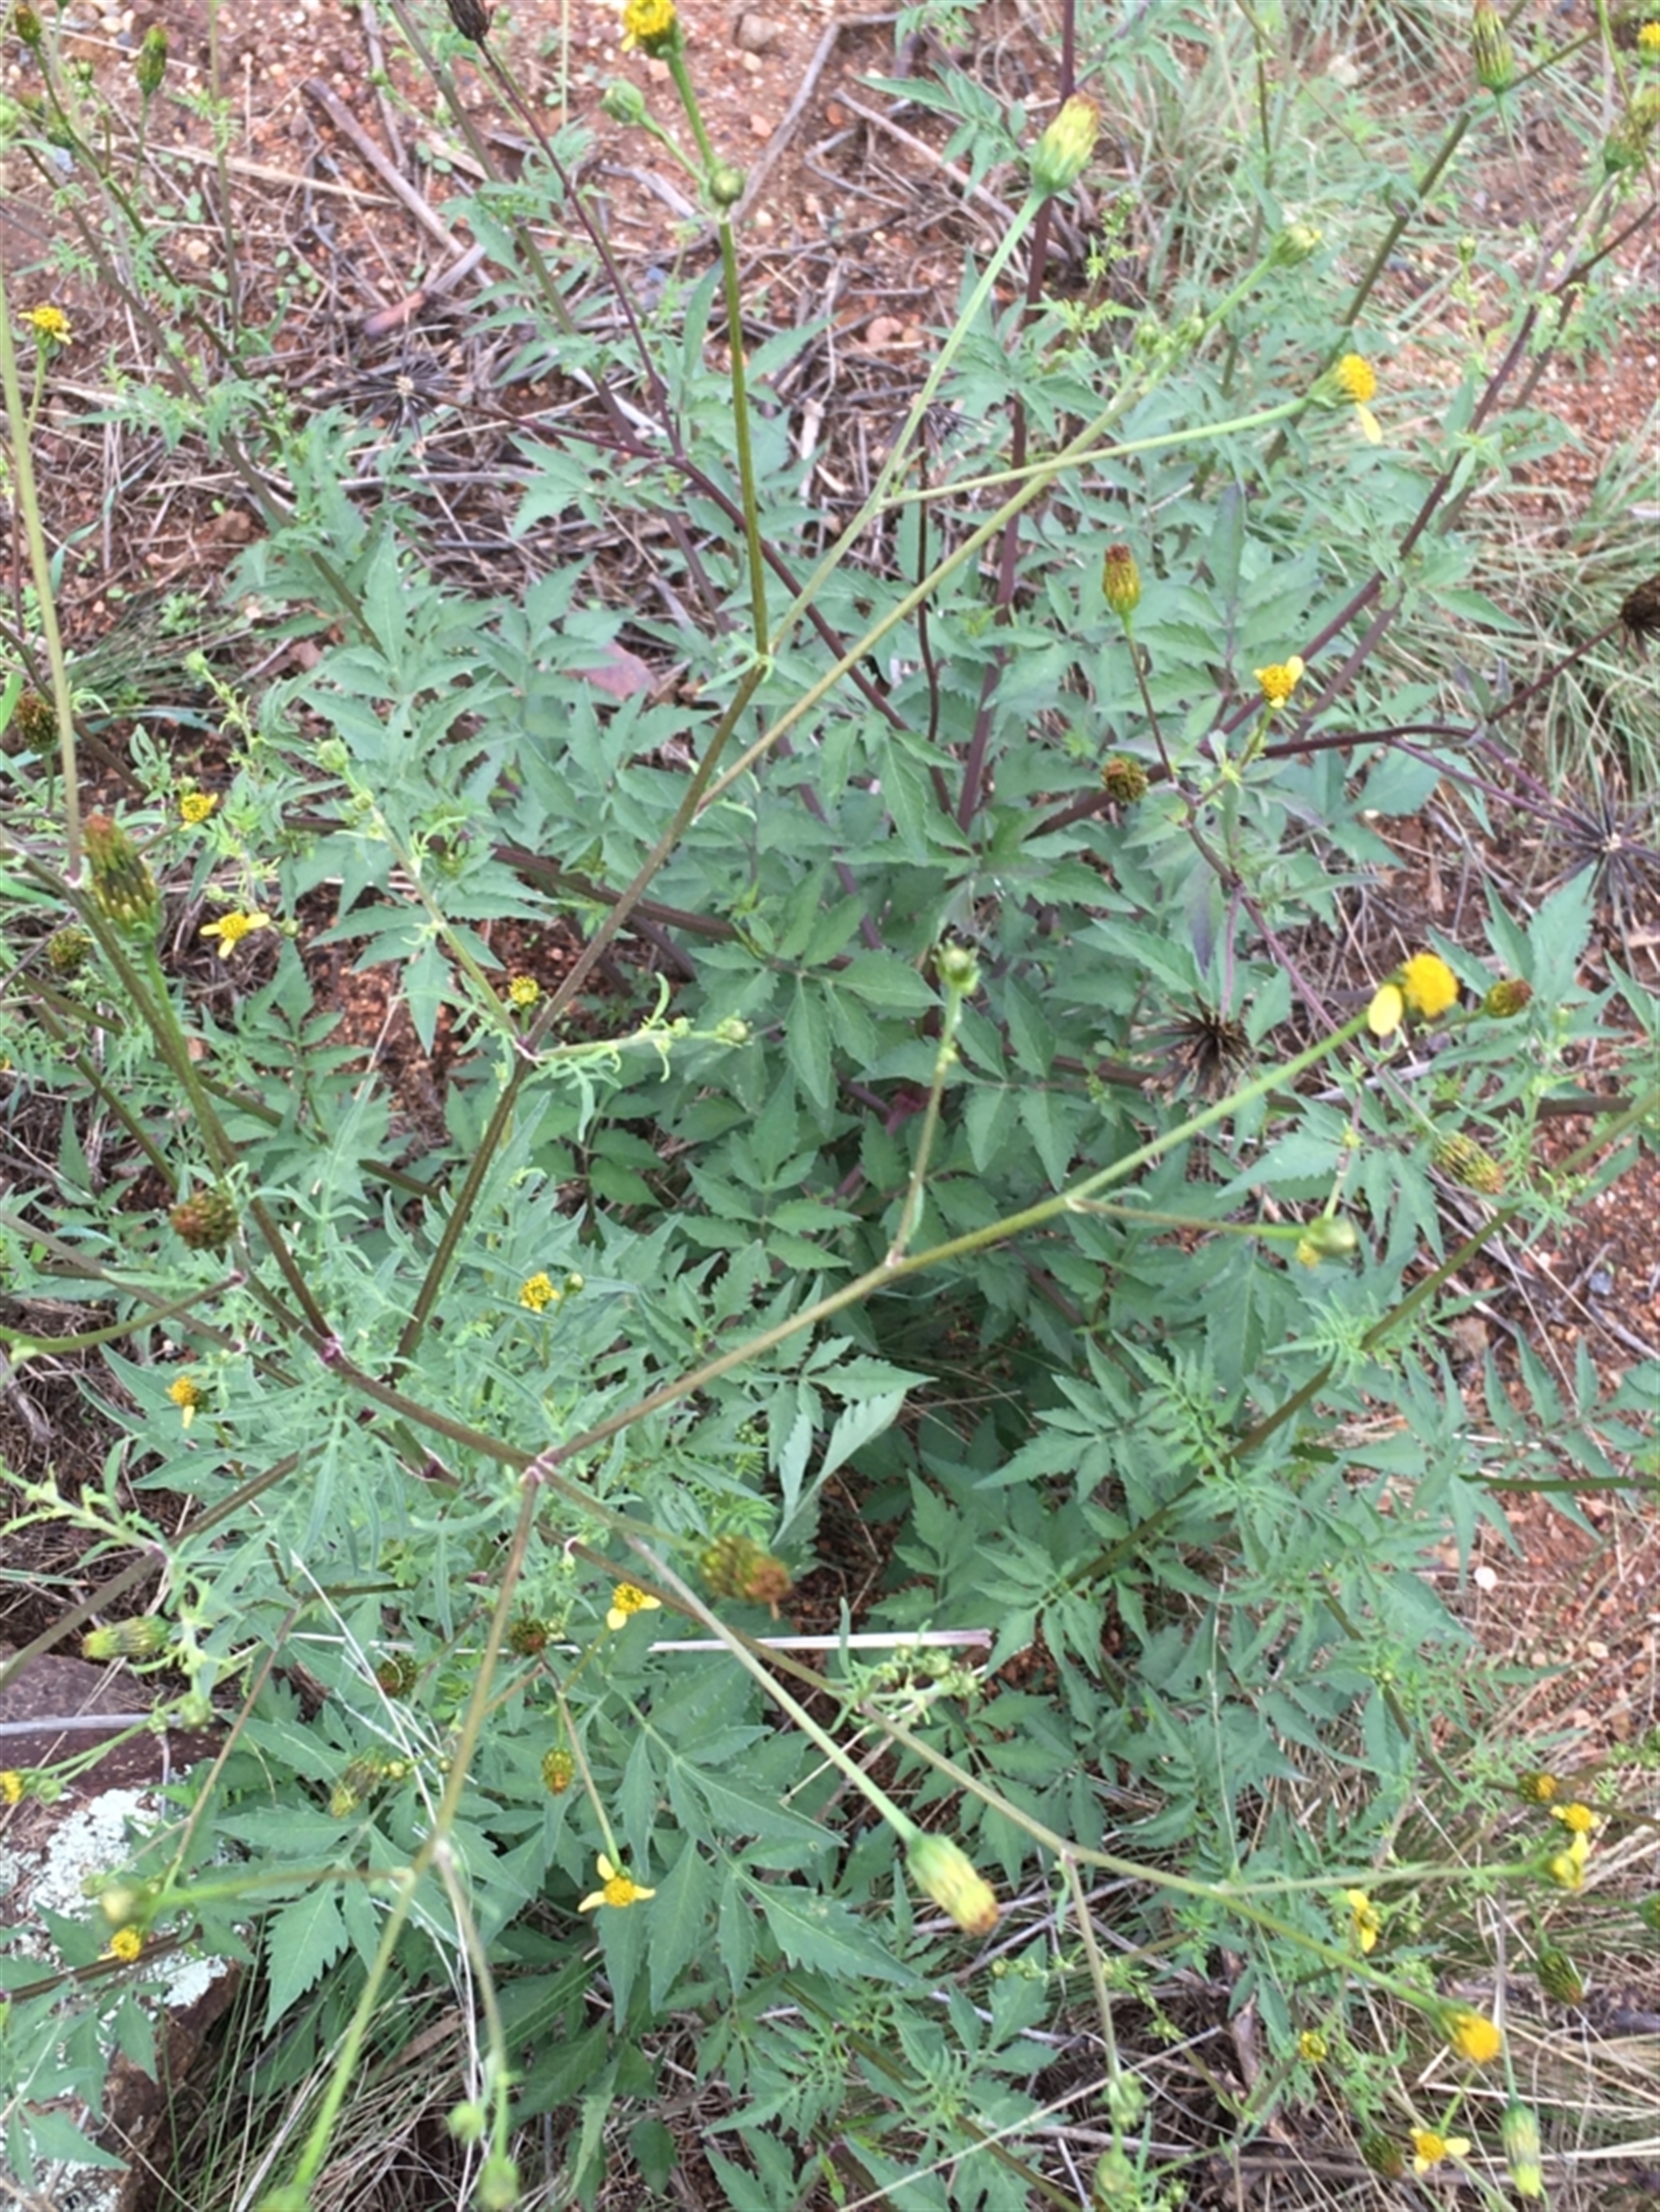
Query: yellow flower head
pixel 1352 381
pixel 1356 378
pixel 523 991
pixel 1280 679
pixel 1577 1819
pixel 536 1292
pixel 195 807
pixel 1473 2036
pixel 1367 1920
pixel 187 1396
pixel 619 1889
pixel 49 322
pixel 626 1601
pixel 232 928
pixel 1428 985
pixel 1429 2149
pixel 11 1786
pixel 1648 41
pixel 126 1944
pixel 653 26
pixel 1425 984
pixel 1312 2046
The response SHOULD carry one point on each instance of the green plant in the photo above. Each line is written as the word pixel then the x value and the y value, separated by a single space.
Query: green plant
pixel 967 1113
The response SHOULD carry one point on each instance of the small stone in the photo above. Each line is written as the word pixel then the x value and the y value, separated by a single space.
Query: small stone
pixel 754 33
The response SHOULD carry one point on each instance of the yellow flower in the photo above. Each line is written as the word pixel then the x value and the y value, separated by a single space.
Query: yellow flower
pixel 1578 1820
pixel 619 1889
pixel 536 1292
pixel 11 1786
pixel 195 807
pixel 1428 985
pixel 1357 377
pixel 1429 2149
pixel 1280 679
pixel 1367 1919
pixel 1353 380
pixel 653 26
pixel 523 991
pixel 1473 2036
pixel 1312 2046
pixel 232 928
pixel 1567 1869
pixel 627 1601
pixel 1425 984
pixel 126 1944
pixel 1648 41
pixel 48 322
pixel 187 1396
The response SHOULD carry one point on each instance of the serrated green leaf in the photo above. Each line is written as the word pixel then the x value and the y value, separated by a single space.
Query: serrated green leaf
pixel 820 1932
pixel 303 1940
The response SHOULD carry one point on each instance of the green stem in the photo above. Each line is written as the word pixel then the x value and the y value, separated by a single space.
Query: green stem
pixel 944 1060
pixel 26 505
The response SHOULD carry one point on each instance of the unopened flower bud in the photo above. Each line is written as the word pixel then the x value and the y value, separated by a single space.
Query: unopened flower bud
pixel 1296 243
pixel 1059 157
pixel 725 181
pixel 140 1639
pixel 958 968
pixel 1507 997
pixel 1535 1786
pixel 1518 2131
pixel 497 2189
pixel 398 1674
pixel 467 2122
pixel 559 1770
pixel 943 1871
pixel 624 103
pixel 1120 581
pixel 1114 2181
pixel 150 66
pixel 1333 1236
pixel 732 1030
pixel 1490 49
pixel 26 26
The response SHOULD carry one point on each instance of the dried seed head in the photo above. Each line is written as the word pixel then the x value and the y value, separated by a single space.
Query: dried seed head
pixel 559 1770
pixel 34 726
pixel 206 1220
pixel 471 18
pixel 1559 1977
pixel 1507 997
pixel 1461 1159
pixel 122 885
pixel 67 951
pixel 1124 780
pixel 736 1566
